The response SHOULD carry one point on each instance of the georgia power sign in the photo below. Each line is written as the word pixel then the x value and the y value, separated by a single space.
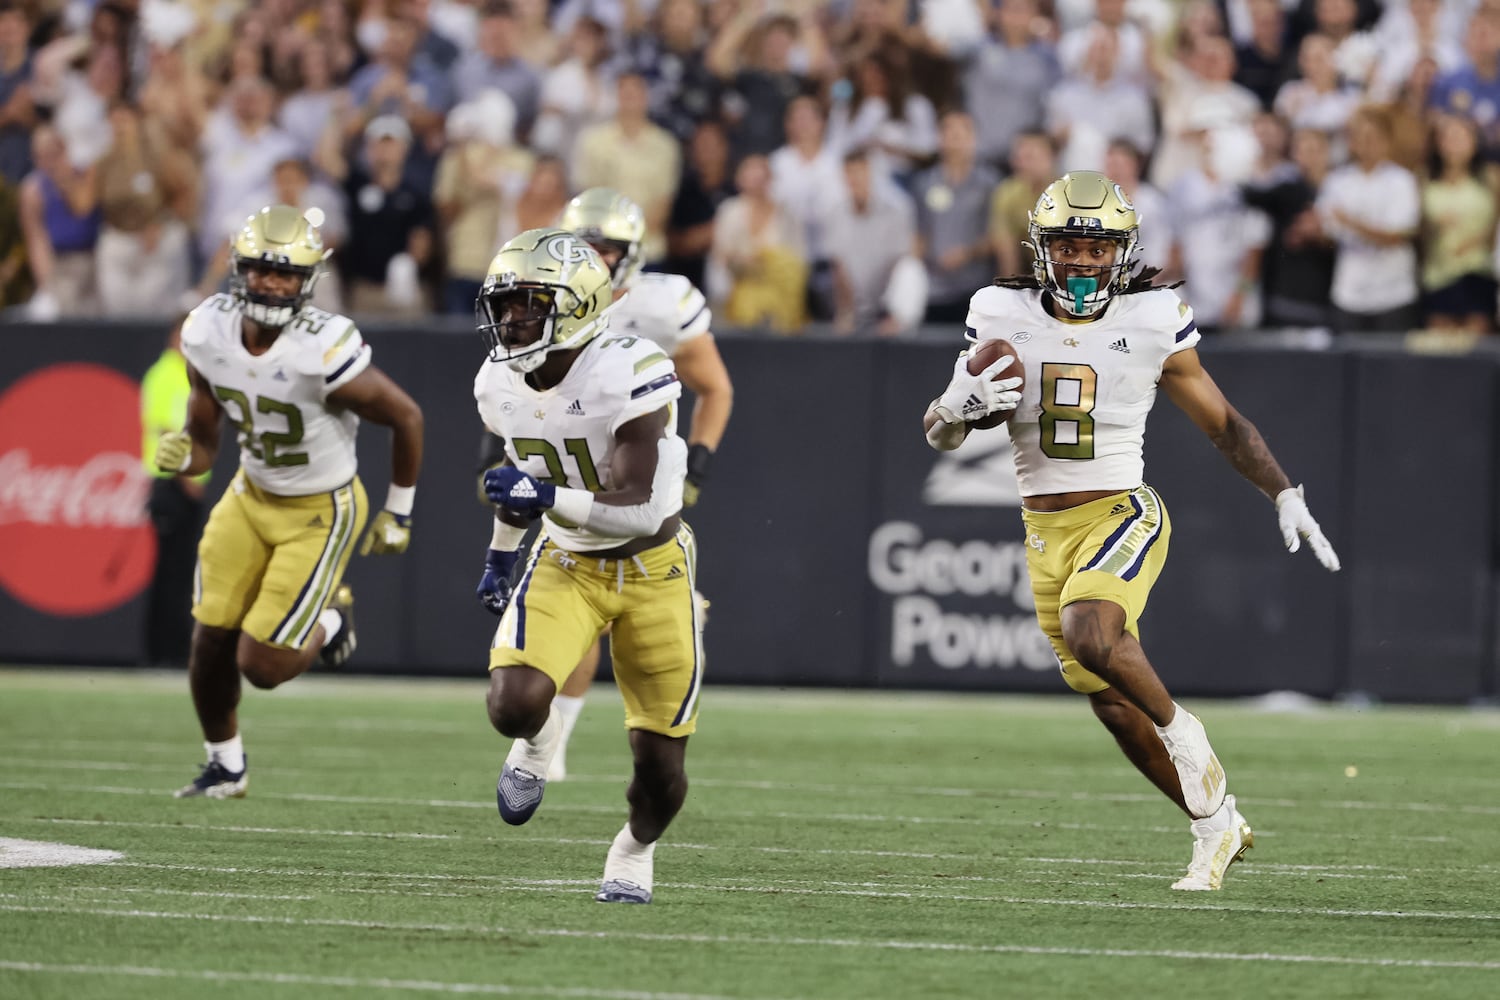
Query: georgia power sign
pixel 75 538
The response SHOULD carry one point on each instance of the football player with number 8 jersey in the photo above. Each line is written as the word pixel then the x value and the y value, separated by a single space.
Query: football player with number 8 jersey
pixel 1097 341
pixel 589 424
pixel 295 381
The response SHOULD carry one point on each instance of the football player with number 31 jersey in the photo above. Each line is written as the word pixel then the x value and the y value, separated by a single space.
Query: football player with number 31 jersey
pixel 295 381
pixel 1096 342
pixel 589 424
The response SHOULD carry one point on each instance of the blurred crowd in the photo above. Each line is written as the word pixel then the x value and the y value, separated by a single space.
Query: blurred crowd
pixel 865 163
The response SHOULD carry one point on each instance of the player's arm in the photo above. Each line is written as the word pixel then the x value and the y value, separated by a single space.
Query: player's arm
pixel 646 462
pixel 702 370
pixel 373 396
pixel 192 450
pixel 1188 384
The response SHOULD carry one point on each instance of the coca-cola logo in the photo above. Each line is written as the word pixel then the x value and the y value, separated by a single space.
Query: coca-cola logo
pixel 75 538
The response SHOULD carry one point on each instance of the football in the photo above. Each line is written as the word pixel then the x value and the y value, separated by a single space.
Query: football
pixel 986 353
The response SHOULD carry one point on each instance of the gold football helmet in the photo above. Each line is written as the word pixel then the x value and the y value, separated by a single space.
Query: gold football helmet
pixel 281 238
pixel 547 290
pixel 1087 204
pixel 609 220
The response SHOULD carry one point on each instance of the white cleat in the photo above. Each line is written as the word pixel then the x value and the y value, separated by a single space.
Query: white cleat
pixel 1215 850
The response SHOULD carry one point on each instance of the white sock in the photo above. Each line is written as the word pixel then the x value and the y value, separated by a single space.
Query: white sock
pixel 567 707
pixel 629 859
pixel 230 754
pixel 1218 822
pixel 332 620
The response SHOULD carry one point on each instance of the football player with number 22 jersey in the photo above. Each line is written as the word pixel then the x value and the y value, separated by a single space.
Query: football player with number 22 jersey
pixel 295 381
pixel 1096 342
pixel 589 424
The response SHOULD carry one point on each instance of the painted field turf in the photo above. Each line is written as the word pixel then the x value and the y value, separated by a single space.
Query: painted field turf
pixel 834 844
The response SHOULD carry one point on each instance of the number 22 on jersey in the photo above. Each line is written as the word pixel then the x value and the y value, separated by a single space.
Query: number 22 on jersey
pixel 1068 400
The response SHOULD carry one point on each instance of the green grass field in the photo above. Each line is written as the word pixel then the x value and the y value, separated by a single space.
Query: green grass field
pixel 834 844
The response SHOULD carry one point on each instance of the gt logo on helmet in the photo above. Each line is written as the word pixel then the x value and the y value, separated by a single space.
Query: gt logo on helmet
pixel 567 250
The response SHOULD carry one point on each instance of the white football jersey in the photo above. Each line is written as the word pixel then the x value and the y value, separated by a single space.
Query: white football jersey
pixel 1089 386
pixel 291 443
pixel 566 435
pixel 664 308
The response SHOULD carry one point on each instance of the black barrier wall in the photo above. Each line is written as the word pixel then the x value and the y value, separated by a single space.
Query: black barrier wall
pixel 838 549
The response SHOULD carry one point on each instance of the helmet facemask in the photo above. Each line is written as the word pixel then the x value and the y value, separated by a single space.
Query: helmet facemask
pixel 1081 295
pixel 271 311
pixel 519 322
pixel 623 271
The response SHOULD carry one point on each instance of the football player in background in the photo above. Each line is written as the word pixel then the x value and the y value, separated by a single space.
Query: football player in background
pixel 589 424
pixel 666 309
pixel 1096 342
pixel 295 380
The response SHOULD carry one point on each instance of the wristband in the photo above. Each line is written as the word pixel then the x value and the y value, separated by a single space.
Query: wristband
pixel 506 537
pixel 398 499
pixel 698 458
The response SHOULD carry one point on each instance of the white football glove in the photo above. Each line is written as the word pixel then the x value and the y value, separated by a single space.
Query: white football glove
pixel 973 397
pixel 1297 523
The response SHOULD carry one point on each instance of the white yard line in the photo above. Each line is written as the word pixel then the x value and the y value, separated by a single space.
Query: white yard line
pixel 770 941
pixel 293 979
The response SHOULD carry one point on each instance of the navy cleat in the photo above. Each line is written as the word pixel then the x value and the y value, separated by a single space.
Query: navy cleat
pixel 214 781
pixel 518 793
pixel 619 890
pixel 340 646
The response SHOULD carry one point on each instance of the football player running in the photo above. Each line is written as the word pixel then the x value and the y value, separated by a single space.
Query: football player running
pixel 666 309
pixel 295 380
pixel 1097 342
pixel 589 424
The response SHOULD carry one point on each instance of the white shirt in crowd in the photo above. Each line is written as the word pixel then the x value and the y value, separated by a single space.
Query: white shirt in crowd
pixel 1369 278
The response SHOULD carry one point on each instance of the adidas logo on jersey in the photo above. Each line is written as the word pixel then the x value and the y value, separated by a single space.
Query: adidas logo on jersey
pixel 280 375
pixel 1118 509
pixel 1120 346
pixel 674 572
pixel 316 522
pixel 576 410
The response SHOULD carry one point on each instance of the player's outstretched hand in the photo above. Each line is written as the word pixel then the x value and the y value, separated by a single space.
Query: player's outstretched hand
pixel 174 451
pixel 1297 523
pixel 388 534
pixel 509 487
pixel 495 587
pixel 974 397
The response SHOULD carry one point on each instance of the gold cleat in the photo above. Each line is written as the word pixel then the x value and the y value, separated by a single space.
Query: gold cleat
pixel 340 646
pixel 1215 851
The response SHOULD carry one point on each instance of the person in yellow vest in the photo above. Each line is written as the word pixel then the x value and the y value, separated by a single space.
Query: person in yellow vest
pixel 176 508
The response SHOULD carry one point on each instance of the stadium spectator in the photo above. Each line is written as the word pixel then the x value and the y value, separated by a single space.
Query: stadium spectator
pixel 1318 99
pixel 537 40
pixel 17 115
pixel 59 206
pixel 498 63
pixel 1132 45
pixel 1371 208
pixel 1265 61
pixel 1198 88
pixel 578 92
pixel 669 52
pixel 176 95
pixel 757 265
pixel 1458 231
pixel 753 58
pixel 433 44
pixel 706 184
pixel 635 157
pixel 15 277
pixel 541 203
pixel 1013 59
pixel 1297 267
pixel 807 180
pixel 1354 49
pixel 1473 89
pixel 952 198
pixel 871 233
pixel 1124 163
pixel 1421 34
pixel 479 175
pixel 880 113
pixel 1033 166
pixel 241 146
pixel 315 100
pixel 390 225
pixel 147 196
pixel 402 81
pixel 1095 105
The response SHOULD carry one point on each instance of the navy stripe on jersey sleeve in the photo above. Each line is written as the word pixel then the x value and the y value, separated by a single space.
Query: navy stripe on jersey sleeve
pixel 329 380
pixel 1183 333
pixel 694 318
pixel 653 385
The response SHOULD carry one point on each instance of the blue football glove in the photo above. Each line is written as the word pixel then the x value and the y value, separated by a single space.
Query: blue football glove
pixel 514 490
pixel 495 587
